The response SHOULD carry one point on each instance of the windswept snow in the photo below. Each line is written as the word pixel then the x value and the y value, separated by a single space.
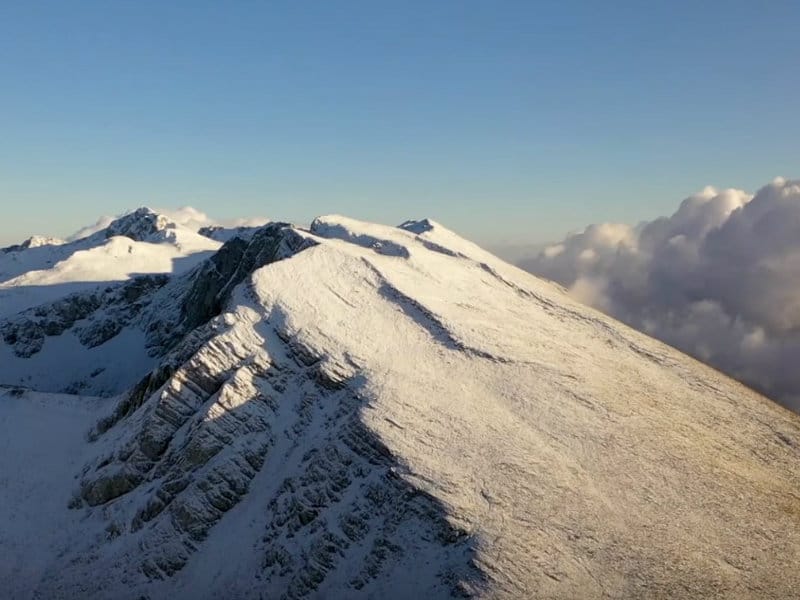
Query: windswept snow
pixel 393 412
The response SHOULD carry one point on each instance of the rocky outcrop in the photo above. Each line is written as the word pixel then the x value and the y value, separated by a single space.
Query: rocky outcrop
pixel 224 234
pixel 164 308
pixel 203 293
pixel 95 316
pixel 255 403
pixel 237 259
pixel 142 225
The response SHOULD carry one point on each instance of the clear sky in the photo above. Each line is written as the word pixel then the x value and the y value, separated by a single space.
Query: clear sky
pixel 506 120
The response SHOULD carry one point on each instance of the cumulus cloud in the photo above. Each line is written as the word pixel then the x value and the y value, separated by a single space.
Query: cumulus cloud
pixel 514 252
pixel 719 279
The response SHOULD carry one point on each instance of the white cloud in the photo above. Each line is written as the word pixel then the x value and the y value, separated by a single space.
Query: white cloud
pixel 719 279
pixel 244 222
pixel 83 232
pixel 186 216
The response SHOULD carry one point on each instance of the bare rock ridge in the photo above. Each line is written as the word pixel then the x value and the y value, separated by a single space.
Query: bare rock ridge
pixel 359 411
pixel 26 332
pixel 223 234
pixel 336 508
pixel 237 259
pixel 141 225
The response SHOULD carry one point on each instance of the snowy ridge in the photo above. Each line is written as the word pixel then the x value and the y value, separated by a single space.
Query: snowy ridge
pixel 365 411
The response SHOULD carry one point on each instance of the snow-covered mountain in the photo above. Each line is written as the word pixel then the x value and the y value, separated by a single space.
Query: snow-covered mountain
pixel 361 411
pixel 89 316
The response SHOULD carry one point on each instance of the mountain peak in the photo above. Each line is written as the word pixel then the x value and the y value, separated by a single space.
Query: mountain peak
pixel 141 225
pixel 418 227
pixel 35 241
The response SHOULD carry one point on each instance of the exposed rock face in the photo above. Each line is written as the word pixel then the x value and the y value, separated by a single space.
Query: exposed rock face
pixel 236 260
pixel 252 399
pixel 224 234
pixel 82 313
pixel 142 225
pixel 163 308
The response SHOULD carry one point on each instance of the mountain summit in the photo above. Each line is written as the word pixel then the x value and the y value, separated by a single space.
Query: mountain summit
pixel 355 411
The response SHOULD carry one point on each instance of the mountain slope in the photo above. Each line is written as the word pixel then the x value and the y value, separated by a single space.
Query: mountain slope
pixel 141 242
pixel 362 411
pixel 85 316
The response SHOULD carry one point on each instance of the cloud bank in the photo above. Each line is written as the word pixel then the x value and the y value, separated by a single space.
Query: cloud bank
pixel 719 279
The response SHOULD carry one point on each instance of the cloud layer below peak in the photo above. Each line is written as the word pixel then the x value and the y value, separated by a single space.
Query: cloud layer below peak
pixel 718 279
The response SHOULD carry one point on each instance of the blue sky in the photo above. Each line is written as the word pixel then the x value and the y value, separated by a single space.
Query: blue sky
pixel 504 120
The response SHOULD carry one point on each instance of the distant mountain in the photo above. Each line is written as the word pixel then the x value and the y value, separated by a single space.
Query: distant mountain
pixel 89 315
pixel 359 411
pixel 224 234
